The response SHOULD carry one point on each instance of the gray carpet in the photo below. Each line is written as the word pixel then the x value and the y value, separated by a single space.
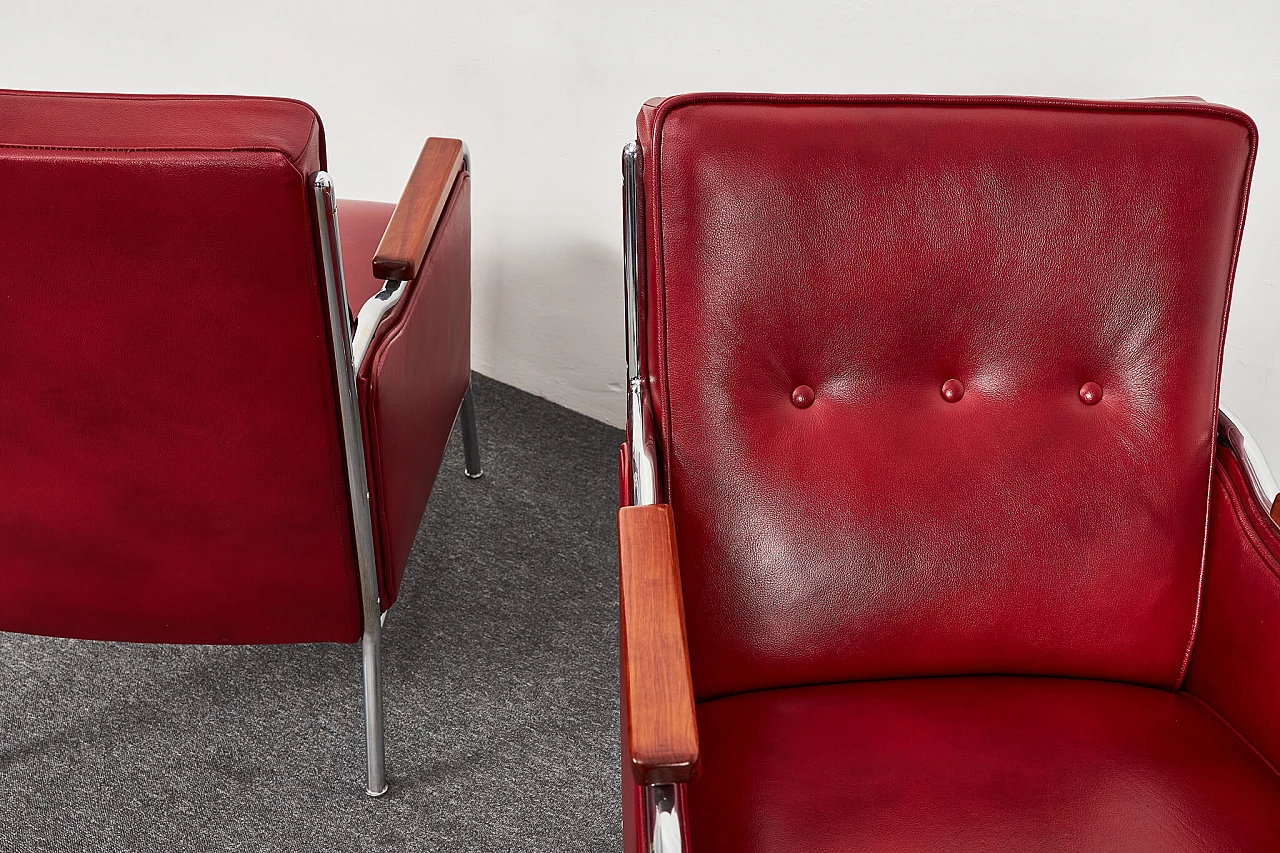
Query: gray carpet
pixel 501 691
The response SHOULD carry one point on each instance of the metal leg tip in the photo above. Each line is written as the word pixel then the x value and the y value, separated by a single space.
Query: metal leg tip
pixel 476 476
pixel 374 793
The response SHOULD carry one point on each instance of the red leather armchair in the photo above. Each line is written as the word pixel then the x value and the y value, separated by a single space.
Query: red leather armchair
pixel 197 448
pixel 932 536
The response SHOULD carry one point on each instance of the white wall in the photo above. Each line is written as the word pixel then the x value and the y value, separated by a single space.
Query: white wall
pixel 546 93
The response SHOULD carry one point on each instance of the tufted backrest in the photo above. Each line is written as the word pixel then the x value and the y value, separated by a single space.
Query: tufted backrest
pixel 936 378
pixel 169 436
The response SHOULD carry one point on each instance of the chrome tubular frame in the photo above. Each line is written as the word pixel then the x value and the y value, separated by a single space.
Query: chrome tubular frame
pixel 326 207
pixel 1256 471
pixel 370 317
pixel 664 819
pixel 641 445
pixel 660 800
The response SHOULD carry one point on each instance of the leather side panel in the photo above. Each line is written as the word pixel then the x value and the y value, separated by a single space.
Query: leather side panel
pixel 1235 666
pixel 412 384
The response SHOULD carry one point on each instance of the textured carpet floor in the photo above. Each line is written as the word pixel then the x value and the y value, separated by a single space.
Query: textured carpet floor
pixel 501 690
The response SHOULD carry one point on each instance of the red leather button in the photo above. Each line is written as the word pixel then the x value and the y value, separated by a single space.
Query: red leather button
pixel 952 390
pixel 802 397
pixel 1090 393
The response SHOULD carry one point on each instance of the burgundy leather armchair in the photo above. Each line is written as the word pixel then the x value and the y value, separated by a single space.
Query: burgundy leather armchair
pixel 196 447
pixel 933 537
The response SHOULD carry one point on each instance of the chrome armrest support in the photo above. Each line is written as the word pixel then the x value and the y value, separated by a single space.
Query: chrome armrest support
pixel 641 444
pixel 641 447
pixel 664 819
pixel 662 814
pixel 370 317
pixel 1255 466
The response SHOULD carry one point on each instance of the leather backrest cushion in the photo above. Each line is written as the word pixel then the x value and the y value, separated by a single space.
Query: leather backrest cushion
pixel 873 249
pixel 170 440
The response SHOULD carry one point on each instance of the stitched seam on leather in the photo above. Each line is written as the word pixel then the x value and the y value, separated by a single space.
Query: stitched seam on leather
pixel 284 155
pixel 292 164
pixel 1144 685
pixel 1232 729
pixel 107 96
pixel 159 149
pixel 315 130
pixel 1246 182
pixel 949 676
pixel 1201 108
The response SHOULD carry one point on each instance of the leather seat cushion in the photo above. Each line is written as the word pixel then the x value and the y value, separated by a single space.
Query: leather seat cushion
pixel 360 227
pixel 977 763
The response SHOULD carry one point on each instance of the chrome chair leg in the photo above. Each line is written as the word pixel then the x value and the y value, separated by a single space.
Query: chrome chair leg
pixel 470 443
pixel 371 648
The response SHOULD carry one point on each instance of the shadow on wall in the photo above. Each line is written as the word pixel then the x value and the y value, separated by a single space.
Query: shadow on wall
pixel 548 318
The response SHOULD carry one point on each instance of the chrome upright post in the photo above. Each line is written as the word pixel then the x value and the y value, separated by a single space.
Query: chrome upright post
pixel 664 819
pixel 641 446
pixel 326 207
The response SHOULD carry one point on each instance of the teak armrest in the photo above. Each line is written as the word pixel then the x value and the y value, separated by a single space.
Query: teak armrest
pixel 404 243
pixel 656 685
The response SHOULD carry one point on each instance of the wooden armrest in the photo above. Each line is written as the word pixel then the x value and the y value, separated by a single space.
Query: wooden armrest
pixel 404 243
pixel 656 684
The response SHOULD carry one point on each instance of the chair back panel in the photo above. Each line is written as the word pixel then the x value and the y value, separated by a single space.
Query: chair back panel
pixel 873 249
pixel 170 437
